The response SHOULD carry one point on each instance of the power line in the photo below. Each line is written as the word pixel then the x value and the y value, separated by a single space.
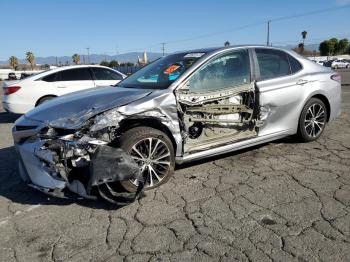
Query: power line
pixel 245 27
pixel 163 48
pixel 268 33
pixel 311 13
pixel 88 53
pixel 216 33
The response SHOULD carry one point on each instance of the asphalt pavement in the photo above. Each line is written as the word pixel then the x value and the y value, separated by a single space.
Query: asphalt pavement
pixel 281 201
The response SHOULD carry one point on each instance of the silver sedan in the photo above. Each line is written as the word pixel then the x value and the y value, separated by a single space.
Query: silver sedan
pixel 115 141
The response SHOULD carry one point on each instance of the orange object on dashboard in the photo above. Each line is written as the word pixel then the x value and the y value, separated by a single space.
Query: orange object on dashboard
pixel 171 69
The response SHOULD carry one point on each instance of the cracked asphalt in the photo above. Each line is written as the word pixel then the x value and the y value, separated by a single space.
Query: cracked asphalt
pixel 282 201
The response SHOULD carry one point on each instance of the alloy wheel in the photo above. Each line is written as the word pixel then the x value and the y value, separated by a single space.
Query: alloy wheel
pixel 153 157
pixel 315 120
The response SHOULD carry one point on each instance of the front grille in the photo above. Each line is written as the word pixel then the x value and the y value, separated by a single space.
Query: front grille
pixel 23 128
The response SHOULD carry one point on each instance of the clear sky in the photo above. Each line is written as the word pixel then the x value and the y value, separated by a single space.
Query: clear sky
pixel 64 27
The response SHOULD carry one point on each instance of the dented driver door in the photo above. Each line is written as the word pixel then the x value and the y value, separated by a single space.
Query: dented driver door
pixel 281 91
pixel 217 103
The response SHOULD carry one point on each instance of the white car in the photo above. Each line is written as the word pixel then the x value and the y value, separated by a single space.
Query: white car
pixel 23 95
pixel 340 64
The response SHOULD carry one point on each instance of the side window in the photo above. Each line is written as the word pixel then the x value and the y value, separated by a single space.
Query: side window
pixel 105 74
pixel 295 66
pixel 272 63
pixel 78 74
pixel 228 70
pixel 49 78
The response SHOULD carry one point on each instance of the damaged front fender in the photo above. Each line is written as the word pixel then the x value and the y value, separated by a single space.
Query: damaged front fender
pixel 110 165
pixel 87 167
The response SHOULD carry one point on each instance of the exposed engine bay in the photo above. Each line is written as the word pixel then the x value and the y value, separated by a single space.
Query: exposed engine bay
pixel 217 118
pixel 90 167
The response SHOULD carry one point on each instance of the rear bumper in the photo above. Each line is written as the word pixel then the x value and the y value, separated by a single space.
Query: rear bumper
pixel 16 108
pixel 335 102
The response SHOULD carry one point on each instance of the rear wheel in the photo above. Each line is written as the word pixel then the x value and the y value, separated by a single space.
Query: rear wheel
pixel 44 100
pixel 312 120
pixel 153 151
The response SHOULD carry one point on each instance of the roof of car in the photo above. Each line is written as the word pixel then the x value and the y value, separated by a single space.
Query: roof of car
pixel 58 69
pixel 74 66
pixel 215 49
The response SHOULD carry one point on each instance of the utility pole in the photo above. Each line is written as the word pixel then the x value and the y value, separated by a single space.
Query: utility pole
pixel 88 53
pixel 268 33
pixel 163 48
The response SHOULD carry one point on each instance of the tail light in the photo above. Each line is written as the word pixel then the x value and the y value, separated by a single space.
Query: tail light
pixel 11 89
pixel 336 77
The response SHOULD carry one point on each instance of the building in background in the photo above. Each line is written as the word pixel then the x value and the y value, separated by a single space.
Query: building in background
pixel 144 60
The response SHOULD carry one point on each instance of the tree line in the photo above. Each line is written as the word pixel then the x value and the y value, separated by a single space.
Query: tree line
pixel 115 63
pixel 14 62
pixel 334 46
pixel 329 47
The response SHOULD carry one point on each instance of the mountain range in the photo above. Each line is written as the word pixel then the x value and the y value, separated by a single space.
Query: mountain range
pixel 127 57
pixel 94 58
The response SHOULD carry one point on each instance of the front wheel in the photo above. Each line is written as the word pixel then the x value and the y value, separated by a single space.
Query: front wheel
pixel 153 151
pixel 312 120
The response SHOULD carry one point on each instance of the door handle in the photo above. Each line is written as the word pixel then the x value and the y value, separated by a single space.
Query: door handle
pixel 302 82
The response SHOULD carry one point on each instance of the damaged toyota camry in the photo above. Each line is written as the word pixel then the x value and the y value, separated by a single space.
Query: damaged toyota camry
pixel 113 142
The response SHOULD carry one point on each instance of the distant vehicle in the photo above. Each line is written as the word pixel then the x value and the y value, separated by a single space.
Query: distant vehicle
pixel 12 76
pixel 24 75
pixel 328 63
pixel 340 64
pixel 318 62
pixel 25 94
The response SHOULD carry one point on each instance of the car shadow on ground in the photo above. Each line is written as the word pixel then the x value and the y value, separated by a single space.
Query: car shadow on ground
pixel 8 118
pixel 15 190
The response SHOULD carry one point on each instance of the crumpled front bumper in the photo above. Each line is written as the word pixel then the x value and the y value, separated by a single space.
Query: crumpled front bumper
pixel 34 167
pixel 34 175
pixel 43 169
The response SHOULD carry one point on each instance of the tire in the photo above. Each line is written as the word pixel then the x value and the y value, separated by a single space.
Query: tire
pixel 313 120
pixel 44 100
pixel 161 145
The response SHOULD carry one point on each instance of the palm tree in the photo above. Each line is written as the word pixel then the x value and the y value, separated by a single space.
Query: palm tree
pixel 76 59
pixel 301 48
pixel 13 61
pixel 304 34
pixel 31 59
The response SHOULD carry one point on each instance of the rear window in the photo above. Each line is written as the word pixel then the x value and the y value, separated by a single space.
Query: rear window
pixel 78 74
pixel 272 63
pixel 295 66
pixel 105 74
pixel 49 78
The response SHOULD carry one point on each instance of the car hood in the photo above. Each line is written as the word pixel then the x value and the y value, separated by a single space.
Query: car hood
pixel 72 110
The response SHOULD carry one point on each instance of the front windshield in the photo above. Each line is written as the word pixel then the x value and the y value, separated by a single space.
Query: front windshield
pixel 162 72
